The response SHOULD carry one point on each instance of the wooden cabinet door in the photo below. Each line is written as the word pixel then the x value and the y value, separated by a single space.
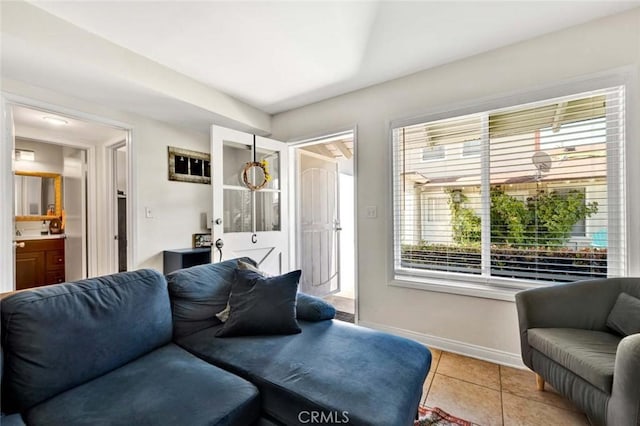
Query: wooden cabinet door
pixel 30 269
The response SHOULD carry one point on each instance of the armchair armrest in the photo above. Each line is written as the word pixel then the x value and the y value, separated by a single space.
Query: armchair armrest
pixel 582 305
pixel 624 406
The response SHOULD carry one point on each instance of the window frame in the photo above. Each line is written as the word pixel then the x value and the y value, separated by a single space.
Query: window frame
pixel 495 287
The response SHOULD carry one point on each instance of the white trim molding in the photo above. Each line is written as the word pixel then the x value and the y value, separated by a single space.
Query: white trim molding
pixel 7 224
pixel 484 353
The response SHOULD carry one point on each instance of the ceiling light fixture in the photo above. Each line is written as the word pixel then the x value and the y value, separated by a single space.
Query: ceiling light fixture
pixel 56 121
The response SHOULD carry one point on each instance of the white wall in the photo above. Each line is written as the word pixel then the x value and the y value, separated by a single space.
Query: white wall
pixel 484 327
pixel 176 206
pixel 50 52
pixel 48 157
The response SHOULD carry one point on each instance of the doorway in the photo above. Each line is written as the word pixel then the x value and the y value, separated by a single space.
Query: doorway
pixel 325 220
pixel 119 184
pixel 44 141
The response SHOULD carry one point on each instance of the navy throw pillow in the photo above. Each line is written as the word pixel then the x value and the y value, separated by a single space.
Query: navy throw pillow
pixel 262 305
pixel 311 308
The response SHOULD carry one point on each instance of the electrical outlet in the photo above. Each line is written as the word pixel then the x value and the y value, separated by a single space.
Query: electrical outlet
pixel 372 212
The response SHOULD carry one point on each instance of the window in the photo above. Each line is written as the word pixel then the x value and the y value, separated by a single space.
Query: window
pixel 434 209
pixel 529 180
pixel 471 148
pixel 433 153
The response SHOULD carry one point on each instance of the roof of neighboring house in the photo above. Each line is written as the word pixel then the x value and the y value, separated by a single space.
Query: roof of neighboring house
pixel 576 163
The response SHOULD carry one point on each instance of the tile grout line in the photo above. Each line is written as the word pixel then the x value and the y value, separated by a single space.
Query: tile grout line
pixel 433 378
pixel 471 383
pixel 501 390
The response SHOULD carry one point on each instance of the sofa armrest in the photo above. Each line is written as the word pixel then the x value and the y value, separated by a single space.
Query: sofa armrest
pixel 582 305
pixel 624 406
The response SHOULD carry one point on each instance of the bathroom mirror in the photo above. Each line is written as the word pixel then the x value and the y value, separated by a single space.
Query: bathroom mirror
pixel 38 196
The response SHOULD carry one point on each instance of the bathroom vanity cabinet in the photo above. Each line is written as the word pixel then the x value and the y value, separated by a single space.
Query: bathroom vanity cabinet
pixel 39 262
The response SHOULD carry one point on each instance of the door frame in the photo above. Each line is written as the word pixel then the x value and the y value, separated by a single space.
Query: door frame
pixel 7 224
pixel 313 139
pixel 111 221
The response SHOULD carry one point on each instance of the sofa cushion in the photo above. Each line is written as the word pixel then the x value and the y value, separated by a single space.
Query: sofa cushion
pixel 624 318
pixel 331 367
pixel 588 354
pixel 199 293
pixel 311 308
pixel 57 337
pixel 262 305
pixel 169 386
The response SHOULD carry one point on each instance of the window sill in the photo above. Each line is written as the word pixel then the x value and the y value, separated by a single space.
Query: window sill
pixel 456 287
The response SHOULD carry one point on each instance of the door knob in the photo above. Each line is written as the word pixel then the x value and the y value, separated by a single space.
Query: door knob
pixel 18 245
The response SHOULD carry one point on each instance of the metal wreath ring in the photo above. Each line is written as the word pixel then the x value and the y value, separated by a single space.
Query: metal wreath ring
pixel 245 178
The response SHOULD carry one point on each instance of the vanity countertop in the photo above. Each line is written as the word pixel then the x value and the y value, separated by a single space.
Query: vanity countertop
pixel 39 237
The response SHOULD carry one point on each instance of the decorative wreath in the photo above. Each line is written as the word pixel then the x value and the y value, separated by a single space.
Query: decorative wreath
pixel 265 171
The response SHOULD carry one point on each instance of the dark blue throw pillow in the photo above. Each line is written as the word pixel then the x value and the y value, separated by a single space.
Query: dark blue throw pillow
pixel 311 308
pixel 262 305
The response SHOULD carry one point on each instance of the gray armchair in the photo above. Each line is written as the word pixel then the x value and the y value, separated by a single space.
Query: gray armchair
pixel 565 340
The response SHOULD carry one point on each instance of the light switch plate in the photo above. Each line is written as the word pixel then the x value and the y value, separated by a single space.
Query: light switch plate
pixel 372 212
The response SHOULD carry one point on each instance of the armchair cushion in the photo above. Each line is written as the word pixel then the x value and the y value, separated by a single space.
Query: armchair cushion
pixel 589 354
pixel 625 315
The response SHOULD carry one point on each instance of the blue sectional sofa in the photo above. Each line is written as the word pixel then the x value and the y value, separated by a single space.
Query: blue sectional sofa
pixel 139 348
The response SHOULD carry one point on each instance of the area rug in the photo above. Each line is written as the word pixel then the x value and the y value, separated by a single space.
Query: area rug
pixel 437 417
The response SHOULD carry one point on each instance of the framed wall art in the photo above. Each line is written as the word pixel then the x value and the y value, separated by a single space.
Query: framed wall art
pixel 201 240
pixel 189 166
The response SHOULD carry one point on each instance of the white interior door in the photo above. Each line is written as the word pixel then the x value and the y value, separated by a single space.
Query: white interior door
pixel 319 226
pixel 75 201
pixel 249 223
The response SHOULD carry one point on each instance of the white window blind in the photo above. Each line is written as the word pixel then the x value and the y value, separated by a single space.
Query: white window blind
pixel 529 193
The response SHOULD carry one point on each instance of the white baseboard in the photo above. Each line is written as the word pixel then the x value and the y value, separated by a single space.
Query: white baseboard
pixel 474 351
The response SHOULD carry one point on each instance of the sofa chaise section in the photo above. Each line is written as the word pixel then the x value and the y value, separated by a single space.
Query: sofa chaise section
pixel 332 367
pixel 100 351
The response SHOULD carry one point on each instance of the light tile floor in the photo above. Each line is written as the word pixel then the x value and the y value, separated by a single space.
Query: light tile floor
pixel 489 394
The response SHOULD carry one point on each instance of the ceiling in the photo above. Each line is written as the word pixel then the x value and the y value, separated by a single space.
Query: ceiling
pixel 30 123
pixel 279 55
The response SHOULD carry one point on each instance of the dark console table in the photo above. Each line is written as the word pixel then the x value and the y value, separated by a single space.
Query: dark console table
pixel 185 258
